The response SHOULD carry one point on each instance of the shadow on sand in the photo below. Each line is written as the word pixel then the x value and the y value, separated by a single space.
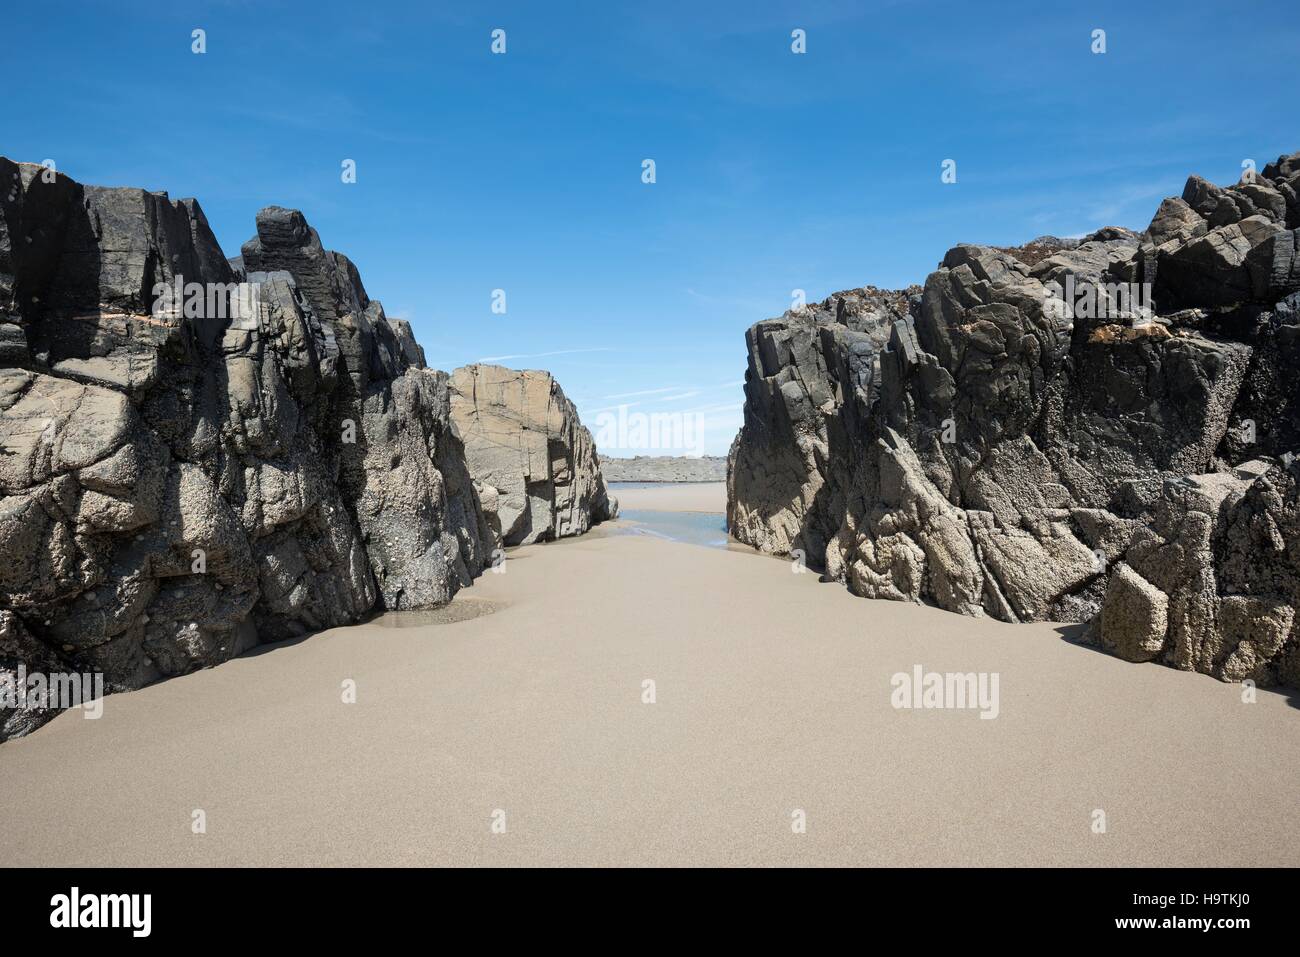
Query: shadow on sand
pixel 1074 634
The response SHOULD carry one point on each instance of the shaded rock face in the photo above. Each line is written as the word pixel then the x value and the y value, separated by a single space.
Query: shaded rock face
pixel 1095 431
pixel 533 463
pixel 179 483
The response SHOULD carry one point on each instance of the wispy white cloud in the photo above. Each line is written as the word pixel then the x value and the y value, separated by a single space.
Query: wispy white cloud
pixel 686 391
pixel 628 395
pixel 724 407
pixel 539 355
pixel 1119 201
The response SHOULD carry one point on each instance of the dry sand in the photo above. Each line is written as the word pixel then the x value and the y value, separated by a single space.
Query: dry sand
pixel 692 497
pixel 773 694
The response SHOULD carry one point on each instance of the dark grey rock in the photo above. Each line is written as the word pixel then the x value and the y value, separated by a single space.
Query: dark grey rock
pixel 178 485
pixel 980 448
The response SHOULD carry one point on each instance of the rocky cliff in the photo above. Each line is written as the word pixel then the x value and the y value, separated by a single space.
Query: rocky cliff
pixel 1096 431
pixel 198 455
pixel 534 464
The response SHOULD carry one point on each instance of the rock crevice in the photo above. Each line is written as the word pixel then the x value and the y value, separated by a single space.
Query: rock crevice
pixel 534 464
pixel 197 455
pixel 1100 430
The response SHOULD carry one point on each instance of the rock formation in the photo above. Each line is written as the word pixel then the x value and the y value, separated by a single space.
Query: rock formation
pixel 665 468
pixel 534 465
pixel 1096 431
pixel 197 455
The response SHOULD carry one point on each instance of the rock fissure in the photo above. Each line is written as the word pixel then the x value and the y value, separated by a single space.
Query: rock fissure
pixel 974 445
pixel 178 486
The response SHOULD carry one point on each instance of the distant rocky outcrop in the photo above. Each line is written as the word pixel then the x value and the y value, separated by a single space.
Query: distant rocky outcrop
pixel 665 468
pixel 1097 431
pixel 198 455
pixel 534 464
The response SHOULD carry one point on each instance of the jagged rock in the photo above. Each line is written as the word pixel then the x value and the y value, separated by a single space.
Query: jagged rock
pixel 996 446
pixel 404 474
pixel 183 478
pixel 20 653
pixel 1136 616
pixel 532 461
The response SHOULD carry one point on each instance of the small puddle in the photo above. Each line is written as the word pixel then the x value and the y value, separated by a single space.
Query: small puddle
pixel 461 608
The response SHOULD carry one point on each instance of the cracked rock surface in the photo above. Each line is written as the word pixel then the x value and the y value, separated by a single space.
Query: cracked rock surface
pixel 178 484
pixel 972 445
pixel 534 464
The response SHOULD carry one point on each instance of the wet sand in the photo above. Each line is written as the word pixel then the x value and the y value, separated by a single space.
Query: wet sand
pixel 772 696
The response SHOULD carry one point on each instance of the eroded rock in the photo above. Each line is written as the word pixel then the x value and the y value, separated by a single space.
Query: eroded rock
pixel 532 461
pixel 1124 459
pixel 183 479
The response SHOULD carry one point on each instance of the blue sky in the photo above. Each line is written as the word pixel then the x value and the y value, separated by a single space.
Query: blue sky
pixel 775 171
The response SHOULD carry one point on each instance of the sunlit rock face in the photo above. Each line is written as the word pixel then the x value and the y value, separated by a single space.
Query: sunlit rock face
pixel 1098 430
pixel 202 454
pixel 534 464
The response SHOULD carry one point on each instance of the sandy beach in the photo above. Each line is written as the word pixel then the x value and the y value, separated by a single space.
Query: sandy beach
pixel 693 497
pixel 522 704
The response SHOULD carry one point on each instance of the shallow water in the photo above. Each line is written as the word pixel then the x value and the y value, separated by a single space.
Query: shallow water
pixel 693 528
pixel 461 608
